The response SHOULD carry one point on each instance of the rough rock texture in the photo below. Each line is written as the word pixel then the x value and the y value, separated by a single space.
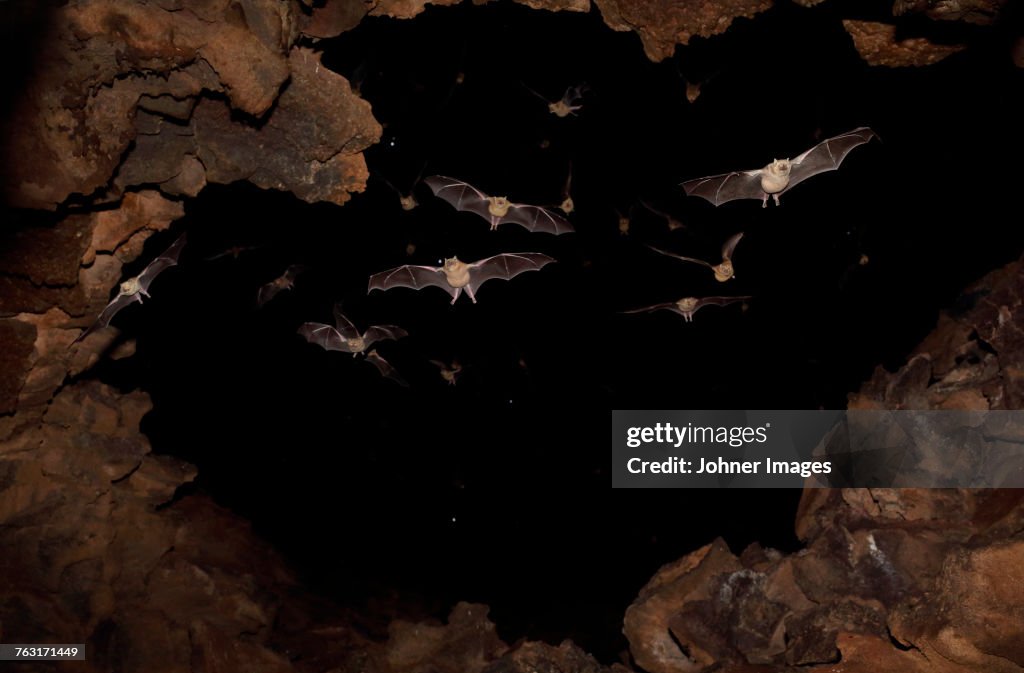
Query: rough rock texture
pixel 167 89
pixel 663 24
pixel 909 579
pixel 880 44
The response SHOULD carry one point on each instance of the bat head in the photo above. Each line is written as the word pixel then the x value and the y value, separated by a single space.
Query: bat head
pixel 687 304
pixel 723 271
pixel 408 202
pixel 452 263
pixel 780 167
pixel 358 345
pixel 498 206
pixel 131 286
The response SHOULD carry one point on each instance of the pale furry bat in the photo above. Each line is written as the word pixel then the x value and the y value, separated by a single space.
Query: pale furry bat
pixel 687 306
pixel 672 223
pixel 407 199
pixel 448 373
pixel 780 175
pixel 568 104
pixel 723 271
pixel 134 289
pixel 285 281
pixel 346 338
pixel 455 275
pixel 497 209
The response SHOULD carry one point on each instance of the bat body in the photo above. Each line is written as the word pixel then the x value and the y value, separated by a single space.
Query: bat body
pixel 344 336
pixel 780 175
pixel 567 205
pixel 134 289
pixel 723 271
pixel 687 306
pixel 449 374
pixel 497 209
pixel 456 276
pixel 283 282
pixel 568 104
pixel 407 200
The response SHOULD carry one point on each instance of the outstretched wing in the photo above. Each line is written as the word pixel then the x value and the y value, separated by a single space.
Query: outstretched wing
pixel 462 195
pixel 536 218
pixel 168 259
pixel 324 336
pixel 670 306
pixel 383 333
pixel 718 301
pixel 411 275
pixel 108 313
pixel 730 245
pixel 345 327
pixel 726 187
pixel 385 368
pixel 827 155
pixel 685 259
pixel 506 267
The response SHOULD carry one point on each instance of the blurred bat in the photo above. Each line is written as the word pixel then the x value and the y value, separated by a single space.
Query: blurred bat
pixel 448 373
pixel 284 282
pixel 407 199
pixel 671 222
pixel 570 102
pixel 624 221
pixel 781 175
pixel 497 209
pixel 456 275
pixel 723 271
pixel 567 206
pixel 385 368
pixel 134 289
pixel 345 337
pixel 687 306
pixel 234 251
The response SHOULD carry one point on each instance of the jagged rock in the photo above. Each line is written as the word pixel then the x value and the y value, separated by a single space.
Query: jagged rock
pixel 663 24
pixel 533 657
pixel 880 44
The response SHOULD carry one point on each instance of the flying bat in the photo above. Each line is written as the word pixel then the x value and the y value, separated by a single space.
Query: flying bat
pixel 568 104
pixel 449 374
pixel 283 282
pixel 134 289
pixel 780 175
pixel 687 306
pixel 671 222
pixel 407 199
pixel 723 271
pixel 385 368
pixel 345 337
pixel 234 251
pixel 455 275
pixel 567 205
pixel 497 209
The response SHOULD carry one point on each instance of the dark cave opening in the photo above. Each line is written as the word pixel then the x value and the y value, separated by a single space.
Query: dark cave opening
pixel 497 489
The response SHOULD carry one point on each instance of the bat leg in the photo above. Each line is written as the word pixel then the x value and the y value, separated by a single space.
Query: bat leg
pixel 494 223
pixel 764 200
pixel 776 197
pixel 469 291
pixel 455 296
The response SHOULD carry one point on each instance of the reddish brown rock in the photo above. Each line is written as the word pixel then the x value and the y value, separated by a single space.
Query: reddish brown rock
pixel 879 44
pixel 17 341
pixel 662 24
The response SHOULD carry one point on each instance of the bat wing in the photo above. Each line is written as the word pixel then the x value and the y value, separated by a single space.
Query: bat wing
pixel 505 267
pixel 718 301
pixel 410 275
pixel 324 336
pixel 267 292
pixel 345 327
pixel 165 261
pixel 292 272
pixel 385 368
pixel 726 187
pixel 108 313
pixel 685 259
pixel 670 306
pixel 383 333
pixel 536 218
pixel 827 155
pixel 730 245
pixel 462 195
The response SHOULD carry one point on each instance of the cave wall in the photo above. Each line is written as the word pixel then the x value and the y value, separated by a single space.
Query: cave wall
pixel 127 109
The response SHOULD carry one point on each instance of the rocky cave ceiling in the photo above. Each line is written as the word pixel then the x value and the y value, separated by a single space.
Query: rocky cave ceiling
pixel 249 123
